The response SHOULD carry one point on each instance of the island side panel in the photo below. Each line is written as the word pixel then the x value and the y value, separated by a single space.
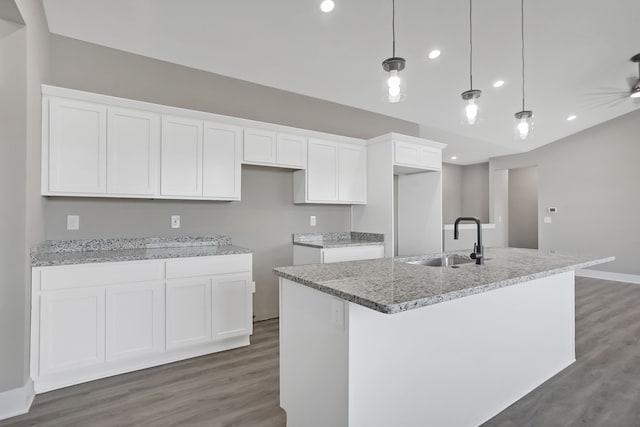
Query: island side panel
pixel 460 362
pixel 313 357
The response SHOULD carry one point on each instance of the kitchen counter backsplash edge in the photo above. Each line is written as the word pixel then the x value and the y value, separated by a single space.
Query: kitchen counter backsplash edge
pixel 68 252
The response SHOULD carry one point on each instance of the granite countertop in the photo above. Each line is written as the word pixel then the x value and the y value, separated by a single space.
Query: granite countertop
pixel 341 239
pixel 68 252
pixel 392 286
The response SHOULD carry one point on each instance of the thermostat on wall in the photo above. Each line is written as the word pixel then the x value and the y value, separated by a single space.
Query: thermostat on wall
pixel 552 210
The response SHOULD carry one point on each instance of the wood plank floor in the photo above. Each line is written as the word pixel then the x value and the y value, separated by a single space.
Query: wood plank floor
pixel 240 387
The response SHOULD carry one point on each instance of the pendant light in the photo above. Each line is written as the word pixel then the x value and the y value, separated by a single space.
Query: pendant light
pixel 471 109
pixel 327 6
pixel 524 118
pixel 394 88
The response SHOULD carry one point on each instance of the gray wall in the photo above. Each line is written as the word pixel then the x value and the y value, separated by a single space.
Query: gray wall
pixel 475 191
pixel 465 191
pixel 592 178
pixel 85 66
pixel 451 192
pixel 12 202
pixel 523 207
pixel 266 217
pixel 24 65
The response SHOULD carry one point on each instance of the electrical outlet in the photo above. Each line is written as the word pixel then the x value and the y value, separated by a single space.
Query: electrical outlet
pixel 312 220
pixel 175 221
pixel 73 222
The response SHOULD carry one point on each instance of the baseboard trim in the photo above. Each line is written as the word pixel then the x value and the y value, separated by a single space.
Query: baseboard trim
pixel 608 275
pixel 16 401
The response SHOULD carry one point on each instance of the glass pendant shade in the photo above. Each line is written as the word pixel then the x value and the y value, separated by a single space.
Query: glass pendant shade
pixel 394 85
pixel 523 124
pixel 327 6
pixel 471 112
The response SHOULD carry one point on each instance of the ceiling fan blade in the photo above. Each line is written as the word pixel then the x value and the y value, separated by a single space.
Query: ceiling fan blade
pixel 604 102
pixel 603 94
pixel 617 102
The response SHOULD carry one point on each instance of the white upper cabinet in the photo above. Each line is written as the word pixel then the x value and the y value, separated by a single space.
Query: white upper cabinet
pixel 101 146
pixel 417 156
pixel 221 161
pixel 336 173
pixel 133 152
pixel 352 173
pixel 259 146
pixel 322 171
pixel 181 154
pixel 74 148
pixel 262 147
pixel 291 151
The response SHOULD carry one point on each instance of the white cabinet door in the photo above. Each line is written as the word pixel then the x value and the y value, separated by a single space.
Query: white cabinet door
pixel 221 165
pixel 76 147
pixel 259 146
pixel 291 151
pixel 322 171
pixel 72 329
pixel 417 155
pixel 181 157
pixel 133 152
pixel 188 308
pixel 134 320
pixel 231 310
pixel 352 174
pixel 431 158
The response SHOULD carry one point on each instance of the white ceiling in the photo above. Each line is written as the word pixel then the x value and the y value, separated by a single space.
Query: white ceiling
pixel 577 56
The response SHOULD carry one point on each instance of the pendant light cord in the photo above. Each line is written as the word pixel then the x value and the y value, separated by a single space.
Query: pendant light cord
pixel 470 46
pixel 393 25
pixel 522 39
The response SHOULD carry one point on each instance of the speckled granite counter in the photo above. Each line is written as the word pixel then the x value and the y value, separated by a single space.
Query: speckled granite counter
pixel 392 286
pixel 337 240
pixel 67 252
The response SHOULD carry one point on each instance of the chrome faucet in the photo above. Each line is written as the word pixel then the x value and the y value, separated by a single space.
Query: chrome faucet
pixel 478 249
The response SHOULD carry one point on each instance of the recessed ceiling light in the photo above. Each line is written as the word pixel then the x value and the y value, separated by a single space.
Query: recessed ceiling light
pixel 454 157
pixel 572 117
pixel 434 54
pixel 327 6
pixel 498 83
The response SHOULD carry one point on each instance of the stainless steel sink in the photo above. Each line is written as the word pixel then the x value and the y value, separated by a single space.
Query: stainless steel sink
pixel 443 261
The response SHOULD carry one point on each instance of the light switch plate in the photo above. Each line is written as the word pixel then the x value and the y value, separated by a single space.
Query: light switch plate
pixel 73 222
pixel 312 220
pixel 175 221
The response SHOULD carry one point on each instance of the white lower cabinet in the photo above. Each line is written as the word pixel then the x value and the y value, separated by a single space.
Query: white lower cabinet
pixel 188 312
pixel 91 321
pixel 231 298
pixel 72 334
pixel 134 320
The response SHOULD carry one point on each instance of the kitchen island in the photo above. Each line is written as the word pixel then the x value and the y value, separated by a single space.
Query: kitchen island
pixel 385 342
